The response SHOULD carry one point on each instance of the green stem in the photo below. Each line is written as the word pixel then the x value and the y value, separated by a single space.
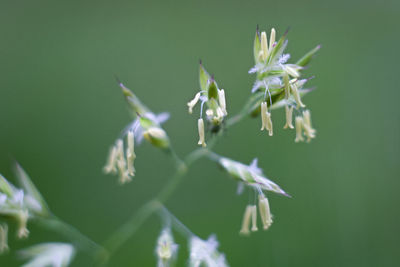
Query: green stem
pixel 129 228
pixel 122 235
pixel 176 224
pixel 80 241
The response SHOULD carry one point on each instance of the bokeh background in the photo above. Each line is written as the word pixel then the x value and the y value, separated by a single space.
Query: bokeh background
pixel 60 110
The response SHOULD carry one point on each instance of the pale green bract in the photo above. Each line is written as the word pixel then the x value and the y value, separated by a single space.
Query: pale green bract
pixel 250 175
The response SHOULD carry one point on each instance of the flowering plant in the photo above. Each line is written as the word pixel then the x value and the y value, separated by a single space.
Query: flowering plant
pixel 278 84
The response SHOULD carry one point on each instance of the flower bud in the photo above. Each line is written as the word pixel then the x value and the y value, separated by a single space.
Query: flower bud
pixel 299 129
pixel 193 102
pixel 264 46
pixel 246 220
pixel 272 39
pixel 157 137
pixel 222 102
pixel 289 116
pixel 291 71
pixel 200 125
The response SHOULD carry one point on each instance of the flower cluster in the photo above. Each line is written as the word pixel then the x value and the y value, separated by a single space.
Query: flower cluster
pixel 23 204
pixel 277 82
pixel 214 98
pixel 201 252
pixel 146 125
pixel 253 177
pixel 20 204
pixel 121 162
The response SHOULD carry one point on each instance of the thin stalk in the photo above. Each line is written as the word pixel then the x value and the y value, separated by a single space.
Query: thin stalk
pixel 176 223
pixel 129 228
pixel 122 235
pixel 80 241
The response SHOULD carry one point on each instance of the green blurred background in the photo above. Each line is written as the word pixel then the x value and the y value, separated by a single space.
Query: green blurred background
pixel 60 110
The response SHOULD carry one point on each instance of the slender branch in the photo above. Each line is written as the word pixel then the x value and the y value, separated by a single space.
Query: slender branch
pixel 80 241
pixel 176 223
pixel 122 235
pixel 129 228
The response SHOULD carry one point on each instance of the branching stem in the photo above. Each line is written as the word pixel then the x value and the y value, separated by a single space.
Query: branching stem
pixel 80 241
pixel 129 228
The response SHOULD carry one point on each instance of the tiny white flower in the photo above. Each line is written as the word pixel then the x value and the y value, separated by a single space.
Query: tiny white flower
pixel 205 252
pixel 166 249
pixel 48 255
pixel 193 102
pixel 200 125
pixel 138 130
pixel 299 129
pixel 289 117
